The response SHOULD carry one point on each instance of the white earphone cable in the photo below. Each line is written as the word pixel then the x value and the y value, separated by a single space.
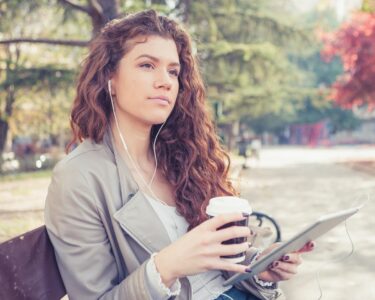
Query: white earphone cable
pixel 335 260
pixel 148 185
pixel 345 256
pixel 154 151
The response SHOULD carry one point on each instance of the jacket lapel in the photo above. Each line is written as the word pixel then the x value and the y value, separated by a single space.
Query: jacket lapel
pixel 137 217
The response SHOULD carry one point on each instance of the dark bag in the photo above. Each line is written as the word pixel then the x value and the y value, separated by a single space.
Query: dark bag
pixel 28 268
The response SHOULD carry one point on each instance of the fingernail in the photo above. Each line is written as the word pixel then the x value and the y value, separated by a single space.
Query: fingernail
pixel 275 264
pixel 249 244
pixel 245 215
pixel 286 257
pixel 248 270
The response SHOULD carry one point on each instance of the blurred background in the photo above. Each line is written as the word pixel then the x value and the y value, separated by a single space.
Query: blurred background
pixel 290 86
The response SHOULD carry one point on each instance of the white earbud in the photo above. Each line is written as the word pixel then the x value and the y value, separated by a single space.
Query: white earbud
pixel 109 87
pixel 114 114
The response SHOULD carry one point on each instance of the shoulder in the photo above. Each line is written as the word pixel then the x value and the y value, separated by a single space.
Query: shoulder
pixel 74 184
pixel 85 155
pixel 84 168
pixel 89 159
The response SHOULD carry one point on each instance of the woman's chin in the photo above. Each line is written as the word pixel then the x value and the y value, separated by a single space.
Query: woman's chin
pixel 158 119
pixel 159 122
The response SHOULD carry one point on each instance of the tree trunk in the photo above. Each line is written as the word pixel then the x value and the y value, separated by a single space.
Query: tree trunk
pixel 186 10
pixel 160 2
pixel 101 12
pixel 3 135
pixel 4 126
pixel 10 97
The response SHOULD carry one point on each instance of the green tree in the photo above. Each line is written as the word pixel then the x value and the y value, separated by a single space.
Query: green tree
pixel 244 48
pixel 311 105
pixel 28 70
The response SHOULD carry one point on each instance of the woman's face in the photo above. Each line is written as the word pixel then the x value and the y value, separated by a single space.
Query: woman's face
pixel 146 81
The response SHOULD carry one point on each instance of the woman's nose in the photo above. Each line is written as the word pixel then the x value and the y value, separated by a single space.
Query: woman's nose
pixel 163 80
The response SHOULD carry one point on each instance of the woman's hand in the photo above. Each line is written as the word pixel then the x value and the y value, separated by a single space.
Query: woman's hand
pixel 286 267
pixel 200 249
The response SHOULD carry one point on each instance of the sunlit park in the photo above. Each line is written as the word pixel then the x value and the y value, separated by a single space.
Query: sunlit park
pixel 291 91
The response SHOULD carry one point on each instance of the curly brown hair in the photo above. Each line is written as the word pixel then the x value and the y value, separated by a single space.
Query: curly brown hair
pixel 188 150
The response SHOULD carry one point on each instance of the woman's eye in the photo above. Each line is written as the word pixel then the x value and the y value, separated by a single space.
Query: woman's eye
pixel 174 72
pixel 147 66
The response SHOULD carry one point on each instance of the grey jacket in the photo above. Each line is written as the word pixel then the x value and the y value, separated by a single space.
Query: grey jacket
pixel 103 229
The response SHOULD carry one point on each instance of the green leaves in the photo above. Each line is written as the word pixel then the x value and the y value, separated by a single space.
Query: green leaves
pixel 245 49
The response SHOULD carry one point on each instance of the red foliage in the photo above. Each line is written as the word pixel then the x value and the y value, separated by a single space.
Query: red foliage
pixel 354 43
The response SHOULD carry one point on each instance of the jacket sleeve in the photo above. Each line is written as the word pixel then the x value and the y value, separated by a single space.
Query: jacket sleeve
pixel 251 286
pixel 81 245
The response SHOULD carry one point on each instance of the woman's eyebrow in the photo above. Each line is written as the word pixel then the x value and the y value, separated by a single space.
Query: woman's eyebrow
pixel 157 59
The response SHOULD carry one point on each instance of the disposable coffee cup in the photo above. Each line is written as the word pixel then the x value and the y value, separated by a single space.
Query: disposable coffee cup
pixel 230 204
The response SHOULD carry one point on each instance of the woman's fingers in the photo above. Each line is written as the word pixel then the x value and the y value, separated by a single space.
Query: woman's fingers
pixel 218 221
pixel 231 267
pixel 309 246
pixel 283 267
pixel 223 250
pixel 293 258
pixel 231 233
pixel 278 271
pixel 280 275
pixel 286 267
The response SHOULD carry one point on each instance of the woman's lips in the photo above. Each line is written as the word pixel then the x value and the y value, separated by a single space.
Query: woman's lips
pixel 159 100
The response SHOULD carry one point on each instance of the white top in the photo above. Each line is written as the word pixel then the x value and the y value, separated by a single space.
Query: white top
pixel 205 286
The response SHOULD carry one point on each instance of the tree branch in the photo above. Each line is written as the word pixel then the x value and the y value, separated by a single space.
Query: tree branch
pixel 96 7
pixel 75 6
pixel 45 41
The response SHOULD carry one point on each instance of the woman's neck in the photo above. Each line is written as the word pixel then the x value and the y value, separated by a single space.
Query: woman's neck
pixel 137 139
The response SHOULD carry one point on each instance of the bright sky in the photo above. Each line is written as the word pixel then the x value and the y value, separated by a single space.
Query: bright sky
pixel 343 7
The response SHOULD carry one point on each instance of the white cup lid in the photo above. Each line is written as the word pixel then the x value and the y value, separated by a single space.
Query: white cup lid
pixel 227 204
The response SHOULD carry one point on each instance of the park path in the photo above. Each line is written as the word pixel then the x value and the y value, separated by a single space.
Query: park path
pixel 297 185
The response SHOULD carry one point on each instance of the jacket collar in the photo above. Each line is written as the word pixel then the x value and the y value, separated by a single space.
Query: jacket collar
pixel 136 217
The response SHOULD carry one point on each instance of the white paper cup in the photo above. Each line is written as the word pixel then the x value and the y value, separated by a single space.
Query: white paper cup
pixel 230 204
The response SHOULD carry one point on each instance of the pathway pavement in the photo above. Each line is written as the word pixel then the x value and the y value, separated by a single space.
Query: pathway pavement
pixel 296 186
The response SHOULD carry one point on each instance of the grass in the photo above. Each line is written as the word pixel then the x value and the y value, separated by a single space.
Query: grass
pixel 25 175
pixel 19 187
pixel 14 224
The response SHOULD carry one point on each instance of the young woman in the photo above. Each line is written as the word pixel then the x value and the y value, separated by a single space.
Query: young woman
pixel 125 210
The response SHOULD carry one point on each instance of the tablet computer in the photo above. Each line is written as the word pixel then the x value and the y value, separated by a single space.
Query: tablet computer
pixel 311 233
